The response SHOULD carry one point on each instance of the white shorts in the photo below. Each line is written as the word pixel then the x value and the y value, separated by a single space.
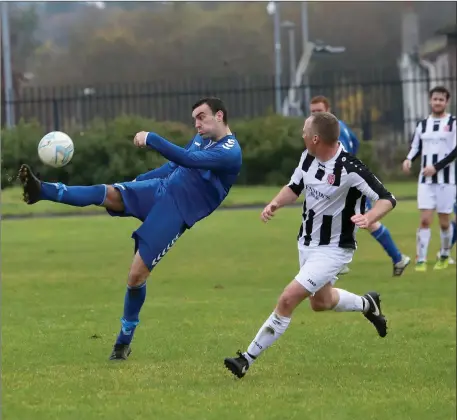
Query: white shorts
pixel 439 197
pixel 320 265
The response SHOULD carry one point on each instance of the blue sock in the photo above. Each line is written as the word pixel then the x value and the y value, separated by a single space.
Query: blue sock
pixel 134 299
pixel 74 196
pixel 454 234
pixel 382 235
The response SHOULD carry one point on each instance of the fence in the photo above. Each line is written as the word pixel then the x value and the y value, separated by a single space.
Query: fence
pixel 375 107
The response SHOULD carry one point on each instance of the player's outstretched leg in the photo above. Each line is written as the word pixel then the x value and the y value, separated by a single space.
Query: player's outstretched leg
pixel 325 298
pixel 273 328
pixel 373 312
pixel 383 236
pixel 133 302
pixel 35 190
pixel 30 183
pixel 159 232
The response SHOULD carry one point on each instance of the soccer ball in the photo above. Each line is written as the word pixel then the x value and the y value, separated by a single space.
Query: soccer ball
pixel 56 149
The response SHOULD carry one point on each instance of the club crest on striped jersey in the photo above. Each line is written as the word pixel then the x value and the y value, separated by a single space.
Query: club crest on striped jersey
pixel 331 179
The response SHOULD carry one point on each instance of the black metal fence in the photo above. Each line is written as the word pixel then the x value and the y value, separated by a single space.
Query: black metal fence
pixel 376 107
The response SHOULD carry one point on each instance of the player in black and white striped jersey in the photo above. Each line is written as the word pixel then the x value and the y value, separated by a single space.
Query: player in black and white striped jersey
pixel 435 142
pixel 335 184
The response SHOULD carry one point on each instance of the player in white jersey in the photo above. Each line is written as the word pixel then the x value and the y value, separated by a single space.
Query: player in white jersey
pixel 336 185
pixel 435 142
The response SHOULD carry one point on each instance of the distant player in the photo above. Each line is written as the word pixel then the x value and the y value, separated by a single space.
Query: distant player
pixel 335 184
pixel 435 141
pixel 379 232
pixel 168 200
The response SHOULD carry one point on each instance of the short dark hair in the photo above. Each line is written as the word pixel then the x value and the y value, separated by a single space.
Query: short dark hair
pixel 326 126
pixel 440 89
pixel 215 104
pixel 320 99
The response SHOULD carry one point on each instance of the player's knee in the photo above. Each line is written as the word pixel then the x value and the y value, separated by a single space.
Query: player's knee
pixel 286 304
pixel 139 272
pixel 445 221
pixel 425 223
pixel 320 304
pixel 289 300
pixel 445 225
pixel 137 277
pixel 113 200
pixel 323 300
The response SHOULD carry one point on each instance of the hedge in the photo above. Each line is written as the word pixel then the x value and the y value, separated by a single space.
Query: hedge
pixel 104 152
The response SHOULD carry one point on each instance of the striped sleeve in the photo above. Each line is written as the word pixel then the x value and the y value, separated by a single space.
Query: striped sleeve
pixel 296 183
pixel 366 182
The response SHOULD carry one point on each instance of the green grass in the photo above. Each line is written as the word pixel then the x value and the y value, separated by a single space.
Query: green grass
pixel 63 288
pixel 12 204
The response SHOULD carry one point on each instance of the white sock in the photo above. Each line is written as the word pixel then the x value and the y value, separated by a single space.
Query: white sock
pixel 422 241
pixel 271 330
pixel 446 238
pixel 349 302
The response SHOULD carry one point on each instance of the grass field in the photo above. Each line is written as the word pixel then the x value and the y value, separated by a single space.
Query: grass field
pixel 63 289
pixel 12 203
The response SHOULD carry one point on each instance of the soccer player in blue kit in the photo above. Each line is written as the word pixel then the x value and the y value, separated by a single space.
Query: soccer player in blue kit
pixel 351 144
pixel 168 200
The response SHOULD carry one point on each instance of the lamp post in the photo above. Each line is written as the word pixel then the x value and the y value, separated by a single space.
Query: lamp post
pixel 290 26
pixel 7 71
pixel 273 10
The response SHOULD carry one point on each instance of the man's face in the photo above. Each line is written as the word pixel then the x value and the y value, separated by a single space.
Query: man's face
pixel 308 137
pixel 438 103
pixel 206 123
pixel 318 107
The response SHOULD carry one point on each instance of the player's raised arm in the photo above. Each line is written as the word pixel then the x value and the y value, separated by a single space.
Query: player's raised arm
pixel 369 185
pixel 162 171
pixel 216 159
pixel 288 194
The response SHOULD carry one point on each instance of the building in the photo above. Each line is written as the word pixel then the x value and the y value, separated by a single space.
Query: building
pixel 430 64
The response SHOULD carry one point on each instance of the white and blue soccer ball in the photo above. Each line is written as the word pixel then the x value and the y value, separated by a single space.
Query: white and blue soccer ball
pixel 56 149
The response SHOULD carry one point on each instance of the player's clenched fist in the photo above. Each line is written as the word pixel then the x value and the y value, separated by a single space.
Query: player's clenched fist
pixel 140 139
pixel 429 170
pixel 268 211
pixel 361 221
pixel 406 166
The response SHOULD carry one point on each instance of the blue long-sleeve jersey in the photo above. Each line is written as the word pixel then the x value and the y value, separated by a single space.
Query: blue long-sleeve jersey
pixel 348 139
pixel 199 176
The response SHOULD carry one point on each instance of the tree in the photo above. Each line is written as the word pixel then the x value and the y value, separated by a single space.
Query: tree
pixel 179 41
pixel 23 22
pixel 23 25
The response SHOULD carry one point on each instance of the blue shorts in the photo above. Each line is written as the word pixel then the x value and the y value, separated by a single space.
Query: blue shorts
pixel 368 205
pixel 162 224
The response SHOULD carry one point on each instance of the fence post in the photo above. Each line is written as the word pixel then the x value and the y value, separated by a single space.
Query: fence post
pixel 55 112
